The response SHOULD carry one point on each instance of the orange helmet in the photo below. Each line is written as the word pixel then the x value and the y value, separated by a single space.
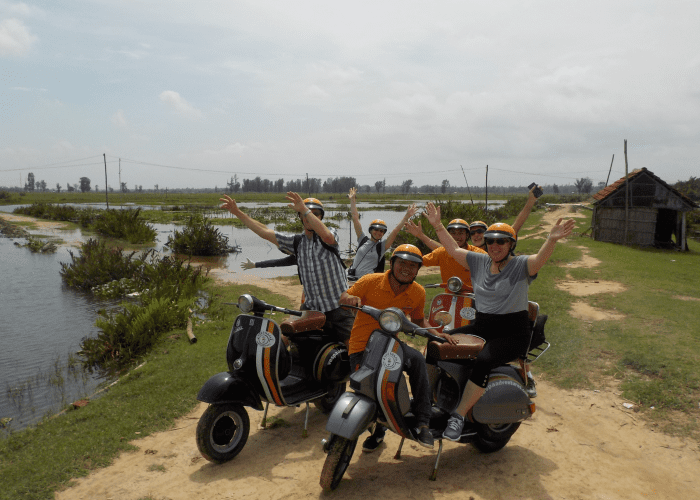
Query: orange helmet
pixel 478 223
pixel 314 204
pixel 502 230
pixel 378 224
pixel 407 252
pixel 458 224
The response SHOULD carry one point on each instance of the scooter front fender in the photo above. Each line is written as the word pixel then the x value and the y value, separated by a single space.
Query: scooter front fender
pixel 351 416
pixel 225 388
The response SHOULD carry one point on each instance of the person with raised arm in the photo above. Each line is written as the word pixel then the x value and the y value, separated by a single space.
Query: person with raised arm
pixel 500 280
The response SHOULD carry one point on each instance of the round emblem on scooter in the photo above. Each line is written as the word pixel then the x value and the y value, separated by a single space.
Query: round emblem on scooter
pixel 468 313
pixel 265 339
pixel 391 361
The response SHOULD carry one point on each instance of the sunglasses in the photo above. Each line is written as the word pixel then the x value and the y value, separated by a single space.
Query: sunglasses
pixel 497 241
pixel 378 229
pixel 478 231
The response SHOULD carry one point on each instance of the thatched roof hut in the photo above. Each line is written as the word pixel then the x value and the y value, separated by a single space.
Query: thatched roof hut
pixel 655 213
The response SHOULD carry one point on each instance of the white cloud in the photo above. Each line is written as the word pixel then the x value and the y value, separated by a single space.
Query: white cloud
pixel 15 38
pixel 178 104
pixel 119 119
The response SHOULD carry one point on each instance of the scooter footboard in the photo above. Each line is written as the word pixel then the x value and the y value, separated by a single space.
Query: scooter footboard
pixel 505 401
pixel 351 416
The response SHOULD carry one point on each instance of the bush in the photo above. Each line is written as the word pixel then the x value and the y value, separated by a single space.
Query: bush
pixel 199 238
pixel 97 265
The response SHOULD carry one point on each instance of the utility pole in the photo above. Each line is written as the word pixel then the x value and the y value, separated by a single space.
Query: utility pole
pixel 308 186
pixel 487 188
pixel 104 155
pixel 120 173
pixel 627 195
pixel 465 180
pixel 611 162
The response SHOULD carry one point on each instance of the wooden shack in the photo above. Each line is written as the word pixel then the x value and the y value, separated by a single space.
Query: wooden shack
pixel 655 215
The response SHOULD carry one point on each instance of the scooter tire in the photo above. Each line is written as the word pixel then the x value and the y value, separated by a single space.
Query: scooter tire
pixel 222 432
pixel 492 438
pixel 327 402
pixel 337 462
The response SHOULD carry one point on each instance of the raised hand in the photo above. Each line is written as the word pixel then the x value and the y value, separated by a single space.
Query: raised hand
pixel 433 214
pixel 560 230
pixel 352 193
pixel 229 204
pixel 414 228
pixel 248 264
pixel 297 202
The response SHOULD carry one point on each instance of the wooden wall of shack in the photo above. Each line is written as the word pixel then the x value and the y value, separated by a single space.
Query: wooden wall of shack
pixel 655 213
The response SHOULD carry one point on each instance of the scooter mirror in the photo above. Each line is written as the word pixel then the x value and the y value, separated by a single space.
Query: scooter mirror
pixel 442 318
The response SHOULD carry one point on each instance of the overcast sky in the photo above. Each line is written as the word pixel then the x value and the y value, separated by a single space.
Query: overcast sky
pixel 190 93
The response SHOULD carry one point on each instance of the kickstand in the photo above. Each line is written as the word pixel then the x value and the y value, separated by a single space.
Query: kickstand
pixel 305 433
pixel 263 423
pixel 398 452
pixel 433 476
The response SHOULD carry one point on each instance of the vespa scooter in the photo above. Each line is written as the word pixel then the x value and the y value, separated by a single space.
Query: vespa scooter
pixel 288 364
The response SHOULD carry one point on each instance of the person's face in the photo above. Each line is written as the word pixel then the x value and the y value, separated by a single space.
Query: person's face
pixel 460 236
pixel 405 271
pixel 499 248
pixel 377 234
pixel 477 235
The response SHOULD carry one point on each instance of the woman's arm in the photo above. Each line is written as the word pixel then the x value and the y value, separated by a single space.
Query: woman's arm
pixel 257 227
pixel 525 212
pixel 559 231
pixel 410 212
pixel 353 210
pixel 459 254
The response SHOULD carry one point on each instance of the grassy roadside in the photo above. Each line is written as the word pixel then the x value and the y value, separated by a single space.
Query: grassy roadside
pixel 653 353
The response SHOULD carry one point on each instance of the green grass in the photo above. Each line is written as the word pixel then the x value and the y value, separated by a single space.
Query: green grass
pixel 36 461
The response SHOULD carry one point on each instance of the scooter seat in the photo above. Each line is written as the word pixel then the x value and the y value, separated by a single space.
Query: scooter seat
pixel 309 320
pixel 468 346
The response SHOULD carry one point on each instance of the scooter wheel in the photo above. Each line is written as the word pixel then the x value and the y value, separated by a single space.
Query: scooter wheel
pixel 222 432
pixel 337 462
pixel 490 438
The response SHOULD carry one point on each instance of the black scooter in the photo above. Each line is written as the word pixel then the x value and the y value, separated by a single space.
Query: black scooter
pixel 288 364
pixel 381 392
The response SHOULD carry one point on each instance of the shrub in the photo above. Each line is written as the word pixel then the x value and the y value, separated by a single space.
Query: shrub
pixel 198 238
pixel 97 265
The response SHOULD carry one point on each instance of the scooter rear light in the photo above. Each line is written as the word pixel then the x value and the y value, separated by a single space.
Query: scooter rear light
pixel 532 408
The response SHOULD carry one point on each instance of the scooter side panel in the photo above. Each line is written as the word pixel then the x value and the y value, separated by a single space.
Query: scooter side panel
pixel 351 416
pixel 505 401
pixel 269 347
pixel 225 388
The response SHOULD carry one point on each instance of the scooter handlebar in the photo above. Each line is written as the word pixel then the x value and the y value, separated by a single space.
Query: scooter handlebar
pixel 394 327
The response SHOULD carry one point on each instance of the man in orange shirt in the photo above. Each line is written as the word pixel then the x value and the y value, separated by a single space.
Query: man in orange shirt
pixel 395 288
pixel 459 229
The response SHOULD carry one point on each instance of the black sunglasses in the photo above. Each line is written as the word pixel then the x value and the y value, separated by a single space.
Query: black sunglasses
pixel 497 241
pixel 477 231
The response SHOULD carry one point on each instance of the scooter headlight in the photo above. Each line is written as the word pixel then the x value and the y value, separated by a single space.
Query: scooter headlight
pixel 245 303
pixel 390 321
pixel 454 284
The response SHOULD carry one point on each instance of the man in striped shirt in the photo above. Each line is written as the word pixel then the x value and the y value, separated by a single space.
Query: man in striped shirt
pixel 321 270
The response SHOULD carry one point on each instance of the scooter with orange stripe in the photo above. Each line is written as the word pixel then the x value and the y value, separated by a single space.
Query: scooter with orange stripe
pixel 287 364
pixel 380 392
pixel 457 299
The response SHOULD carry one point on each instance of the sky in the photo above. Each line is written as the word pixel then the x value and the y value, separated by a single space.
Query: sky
pixel 189 94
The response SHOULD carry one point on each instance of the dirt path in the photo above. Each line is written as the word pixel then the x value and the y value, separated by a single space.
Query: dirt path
pixel 584 444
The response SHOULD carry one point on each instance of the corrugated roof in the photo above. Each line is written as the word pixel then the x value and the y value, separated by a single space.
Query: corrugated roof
pixel 607 191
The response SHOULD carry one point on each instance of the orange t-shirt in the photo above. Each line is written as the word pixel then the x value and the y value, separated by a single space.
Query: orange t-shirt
pixel 448 266
pixel 374 290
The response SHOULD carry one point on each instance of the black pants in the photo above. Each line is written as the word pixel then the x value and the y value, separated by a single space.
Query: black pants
pixel 507 338
pixel 414 365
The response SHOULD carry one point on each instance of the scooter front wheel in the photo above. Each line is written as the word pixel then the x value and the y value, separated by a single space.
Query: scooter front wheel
pixel 337 462
pixel 222 432
pixel 327 402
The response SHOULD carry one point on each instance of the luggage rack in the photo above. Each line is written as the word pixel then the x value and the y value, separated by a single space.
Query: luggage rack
pixel 535 352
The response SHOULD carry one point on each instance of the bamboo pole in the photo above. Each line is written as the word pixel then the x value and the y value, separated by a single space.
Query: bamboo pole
pixel 190 332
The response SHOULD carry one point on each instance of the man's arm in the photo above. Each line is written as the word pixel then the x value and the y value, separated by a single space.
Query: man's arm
pixel 312 222
pixel 353 210
pixel 525 212
pixel 410 212
pixel 424 323
pixel 257 227
pixel 417 231
pixel 349 300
